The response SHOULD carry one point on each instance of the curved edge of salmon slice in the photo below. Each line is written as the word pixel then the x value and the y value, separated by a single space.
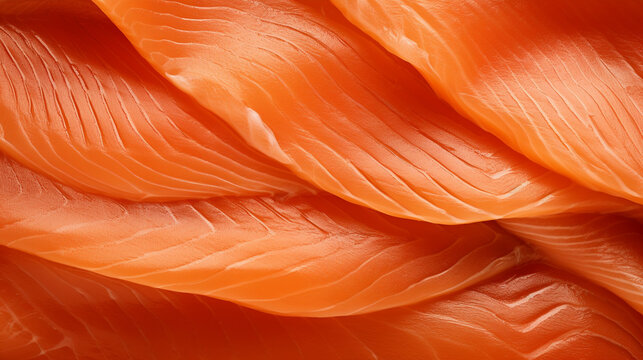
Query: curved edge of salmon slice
pixel 603 248
pixel 307 88
pixel 53 311
pixel 79 104
pixel 306 255
pixel 561 82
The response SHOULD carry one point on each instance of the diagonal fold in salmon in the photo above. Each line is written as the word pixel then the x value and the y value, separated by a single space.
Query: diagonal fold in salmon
pixel 307 88
pixel 80 105
pixel 559 81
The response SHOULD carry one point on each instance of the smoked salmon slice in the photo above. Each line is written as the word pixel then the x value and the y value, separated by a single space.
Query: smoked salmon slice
pixel 307 88
pixel 307 255
pixel 55 312
pixel 161 167
pixel 603 248
pixel 559 81
pixel 80 105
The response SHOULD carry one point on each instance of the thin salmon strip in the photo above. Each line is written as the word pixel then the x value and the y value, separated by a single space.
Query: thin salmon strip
pixel 56 312
pixel 559 81
pixel 606 249
pixel 307 255
pixel 304 86
pixel 80 105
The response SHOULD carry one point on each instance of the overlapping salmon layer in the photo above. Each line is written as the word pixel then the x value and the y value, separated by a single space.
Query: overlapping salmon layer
pixel 307 88
pixel 559 81
pixel 606 249
pixel 307 255
pixel 55 312
pixel 79 105
pixel 174 204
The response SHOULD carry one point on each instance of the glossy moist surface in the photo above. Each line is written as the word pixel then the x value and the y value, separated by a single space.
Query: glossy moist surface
pixel 307 88
pixel 80 105
pixel 307 255
pixel 559 81
pixel 164 167
pixel 56 312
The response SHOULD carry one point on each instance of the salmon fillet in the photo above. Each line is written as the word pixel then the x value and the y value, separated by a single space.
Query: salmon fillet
pixel 80 105
pixel 56 312
pixel 174 177
pixel 307 255
pixel 604 248
pixel 305 87
pixel 559 81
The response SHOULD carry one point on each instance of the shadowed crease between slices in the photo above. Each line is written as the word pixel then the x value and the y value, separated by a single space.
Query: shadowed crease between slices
pixel 606 249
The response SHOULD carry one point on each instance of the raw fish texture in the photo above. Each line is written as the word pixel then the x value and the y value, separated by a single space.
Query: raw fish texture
pixel 309 255
pixel 606 249
pixel 80 105
pixel 559 81
pixel 321 179
pixel 55 312
pixel 304 86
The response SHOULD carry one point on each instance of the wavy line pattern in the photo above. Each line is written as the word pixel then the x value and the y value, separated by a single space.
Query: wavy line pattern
pixel 305 87
pixel 558 81
pixel 308 255
pixel 79 104
pixel 605 249
pixel 557 315
pixel 560 315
